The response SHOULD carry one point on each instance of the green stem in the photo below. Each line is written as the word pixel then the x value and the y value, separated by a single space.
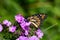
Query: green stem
pixel 49 27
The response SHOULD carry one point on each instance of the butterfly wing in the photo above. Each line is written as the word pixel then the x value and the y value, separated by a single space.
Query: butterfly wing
pixel 36 19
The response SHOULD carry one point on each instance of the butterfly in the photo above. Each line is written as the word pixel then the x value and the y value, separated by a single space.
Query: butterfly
pixel 36 19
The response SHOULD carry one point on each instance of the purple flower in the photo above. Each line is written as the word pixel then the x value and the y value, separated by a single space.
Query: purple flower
pixel 33 38
pixel 19 18
pixel 6 22
pixel 22 38
pixel 12 29
pixel 1 28
pixel 39 33
pixel 25 27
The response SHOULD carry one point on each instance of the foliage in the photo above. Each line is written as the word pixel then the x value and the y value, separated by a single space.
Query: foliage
pixel 9 8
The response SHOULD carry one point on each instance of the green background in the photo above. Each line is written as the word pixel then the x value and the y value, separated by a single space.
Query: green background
pixel 50 27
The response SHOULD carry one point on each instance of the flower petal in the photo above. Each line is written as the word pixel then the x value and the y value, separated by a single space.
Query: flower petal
pixel 19 18
pixel 39 33
pixel 22 38
pixel 12 29
pixel 6 22
pixel 1 28
pixel 33 38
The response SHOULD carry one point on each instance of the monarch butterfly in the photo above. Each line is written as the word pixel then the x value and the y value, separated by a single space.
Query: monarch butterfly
pixel 36 19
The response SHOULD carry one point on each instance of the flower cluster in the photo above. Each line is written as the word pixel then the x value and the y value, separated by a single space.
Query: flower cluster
pixel 25 26
pixel 1 28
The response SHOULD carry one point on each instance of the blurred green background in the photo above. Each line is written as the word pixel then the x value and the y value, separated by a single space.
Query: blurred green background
pixel 9 8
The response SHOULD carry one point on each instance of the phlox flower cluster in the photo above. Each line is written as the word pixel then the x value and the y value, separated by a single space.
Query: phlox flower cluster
pixel 25 26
